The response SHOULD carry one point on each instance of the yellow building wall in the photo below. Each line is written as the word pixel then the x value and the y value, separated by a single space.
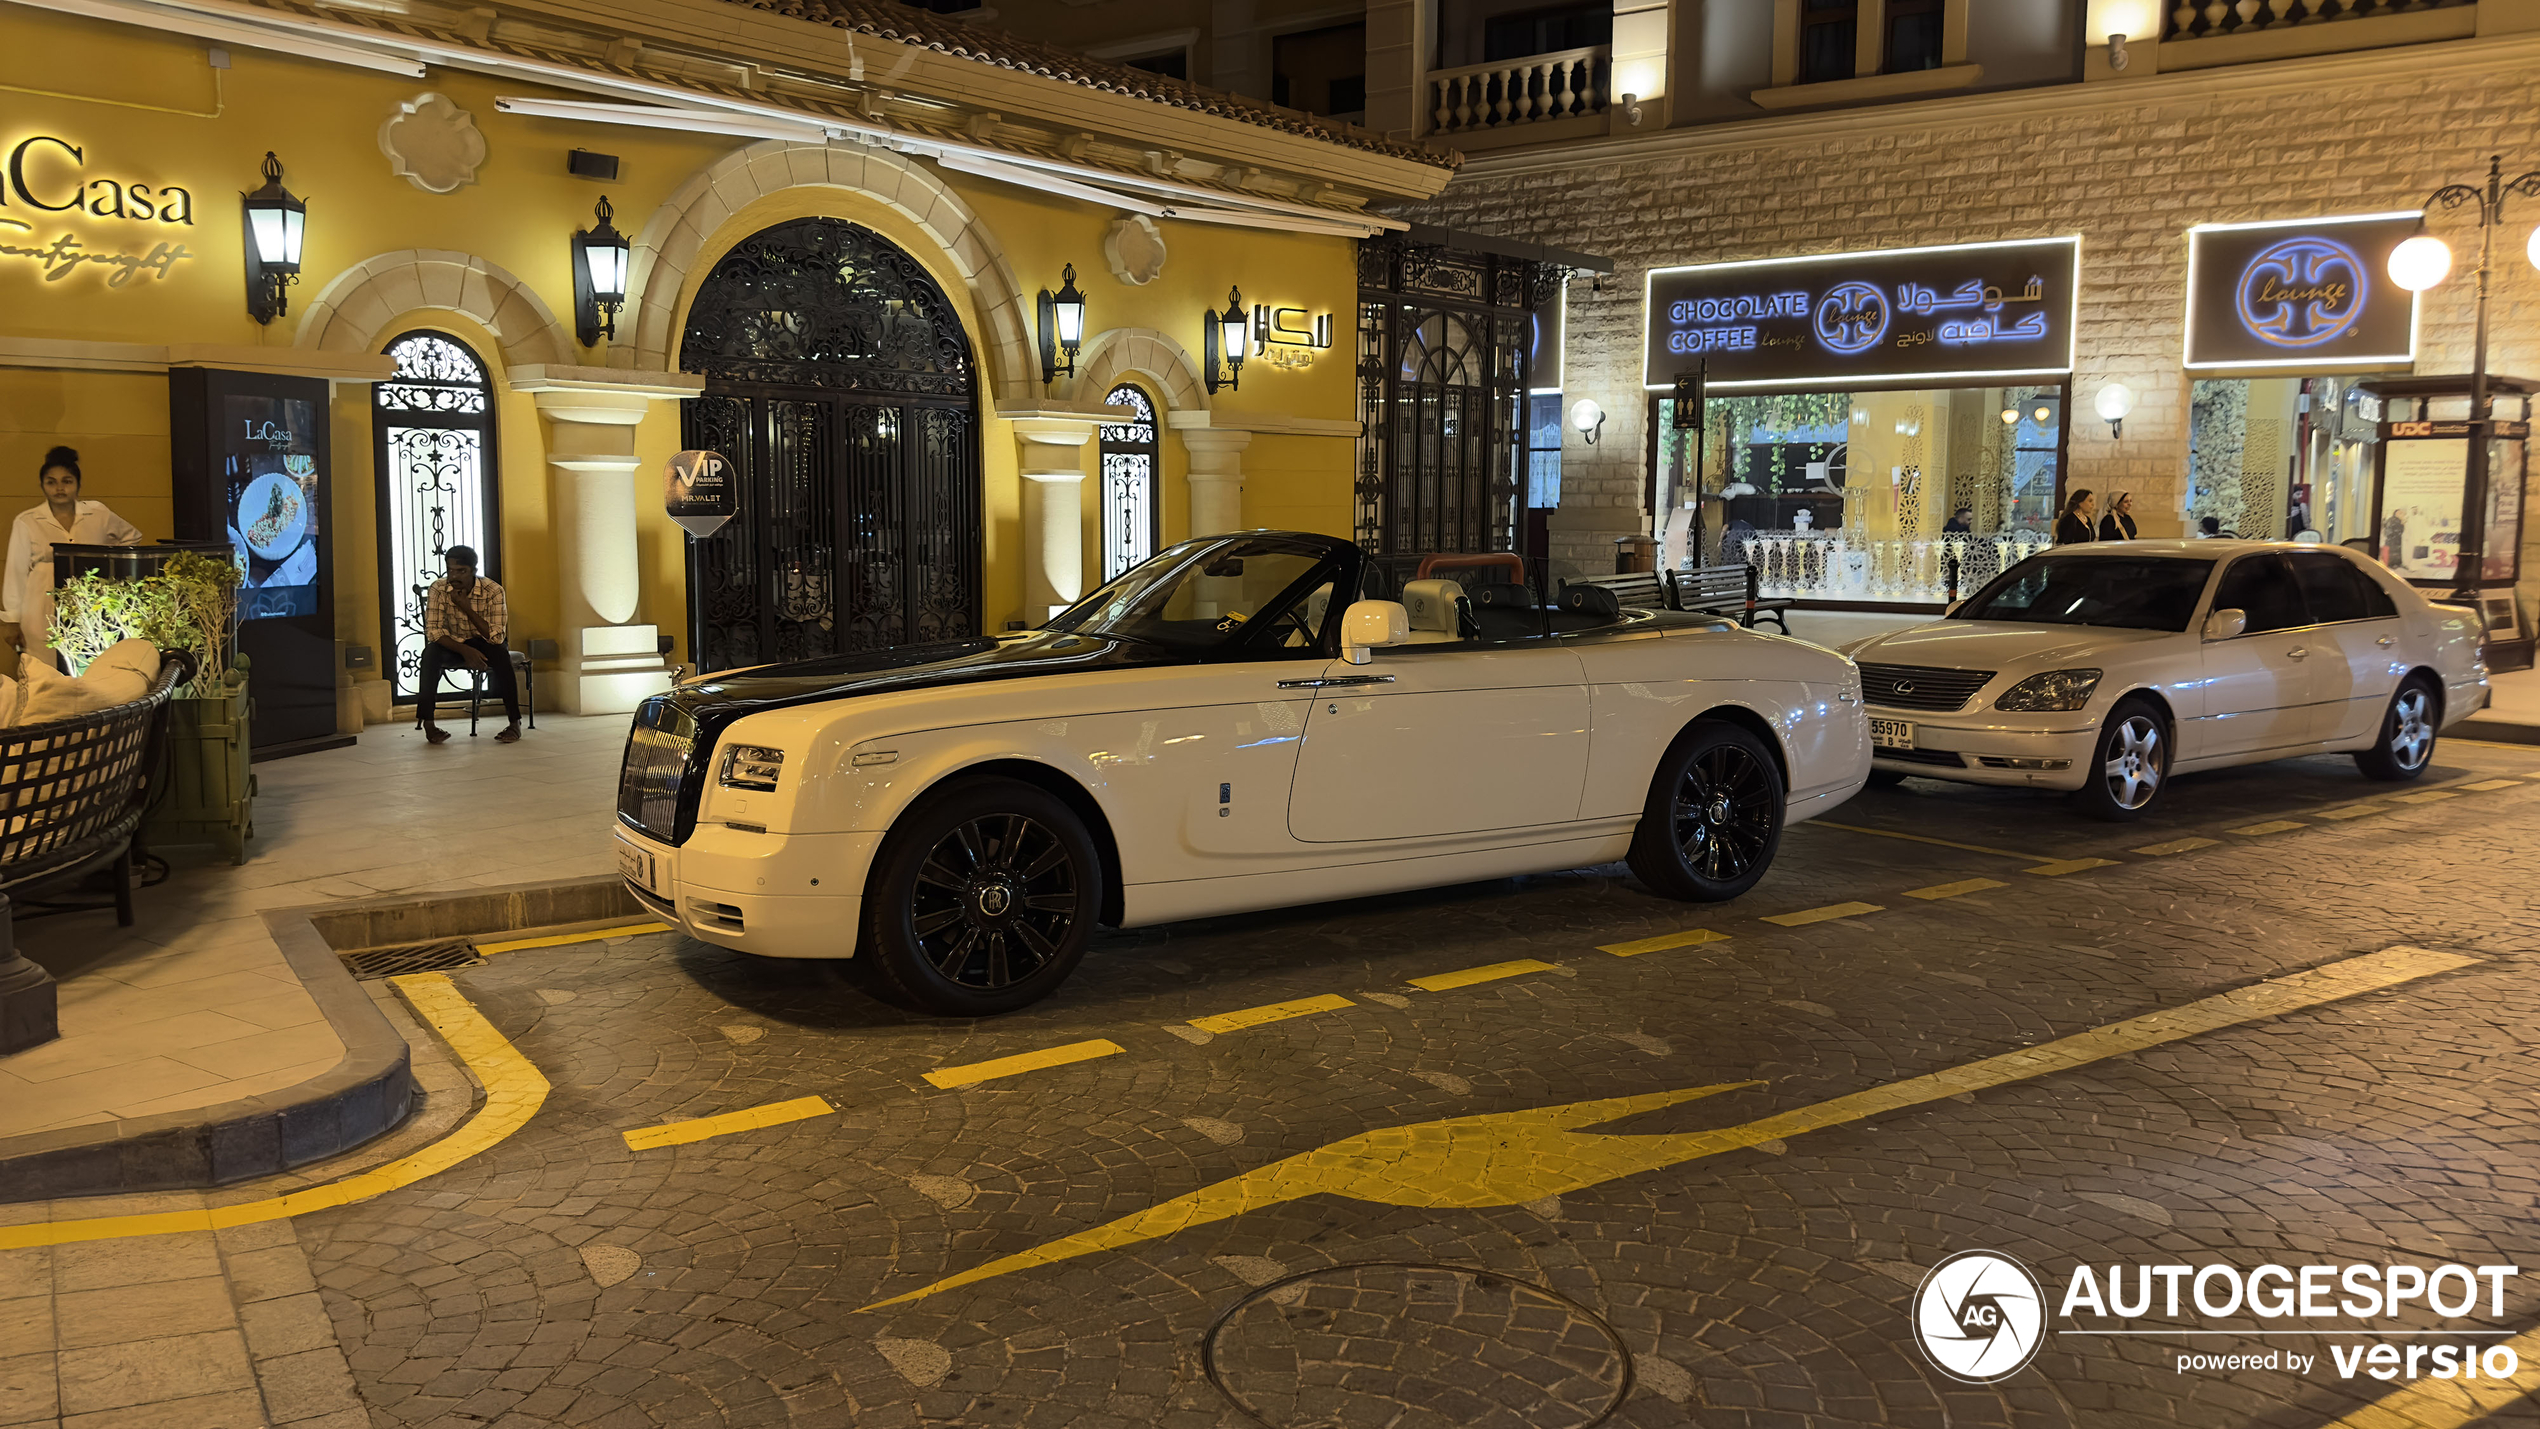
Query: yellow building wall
pixel 147 108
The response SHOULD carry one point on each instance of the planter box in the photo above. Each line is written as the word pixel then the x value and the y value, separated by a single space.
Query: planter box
pixel 210 793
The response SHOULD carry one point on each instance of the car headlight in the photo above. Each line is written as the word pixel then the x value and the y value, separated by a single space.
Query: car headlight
pixel 2054 690
pixel 752 766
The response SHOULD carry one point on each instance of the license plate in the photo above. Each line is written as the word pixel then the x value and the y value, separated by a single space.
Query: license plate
pixel 636 864
pixel 1891 734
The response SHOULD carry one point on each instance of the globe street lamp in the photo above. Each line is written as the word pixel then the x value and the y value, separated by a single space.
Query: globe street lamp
pixel 2419 264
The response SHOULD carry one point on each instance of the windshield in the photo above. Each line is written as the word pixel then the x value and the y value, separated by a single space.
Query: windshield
pixel 1203 595
pixel 2130 592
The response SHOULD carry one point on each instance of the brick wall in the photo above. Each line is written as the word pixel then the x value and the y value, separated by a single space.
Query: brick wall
pixel 2130 166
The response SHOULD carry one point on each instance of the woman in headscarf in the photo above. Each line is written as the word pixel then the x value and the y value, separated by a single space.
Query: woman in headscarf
pixel 2075 524
pixel 26 586
pixel 2118 524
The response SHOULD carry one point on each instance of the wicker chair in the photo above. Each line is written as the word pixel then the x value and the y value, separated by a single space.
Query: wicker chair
pixel 73 791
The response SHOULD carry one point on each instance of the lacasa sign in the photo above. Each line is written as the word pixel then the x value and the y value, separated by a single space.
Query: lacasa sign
pixel 2306 293
pixel 47 187
pixel 1981 311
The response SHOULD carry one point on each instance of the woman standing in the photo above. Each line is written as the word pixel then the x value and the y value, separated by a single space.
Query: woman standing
pixel 26 586
pixel 2075 524
pixel 2118 524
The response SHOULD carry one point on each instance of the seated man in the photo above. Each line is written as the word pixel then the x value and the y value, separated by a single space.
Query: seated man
pixel 464 622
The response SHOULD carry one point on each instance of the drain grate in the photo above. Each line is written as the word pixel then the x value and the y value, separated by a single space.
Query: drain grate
pixel 440 955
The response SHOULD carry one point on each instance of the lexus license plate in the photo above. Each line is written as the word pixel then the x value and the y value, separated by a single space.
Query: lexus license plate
pixel 637 865
pixel 1891 734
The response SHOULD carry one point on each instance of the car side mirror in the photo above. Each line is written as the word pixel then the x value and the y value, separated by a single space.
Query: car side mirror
pixel 1369 625
pixel 2224 624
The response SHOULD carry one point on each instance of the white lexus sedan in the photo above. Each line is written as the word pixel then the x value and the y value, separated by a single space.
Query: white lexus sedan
pixel 2106 669
pixel 1214 731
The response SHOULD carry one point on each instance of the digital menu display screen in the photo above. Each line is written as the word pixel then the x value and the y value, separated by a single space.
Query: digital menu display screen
pixel 272 488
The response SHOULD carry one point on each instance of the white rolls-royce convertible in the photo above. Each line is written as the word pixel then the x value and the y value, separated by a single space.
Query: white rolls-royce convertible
pixel 1214 731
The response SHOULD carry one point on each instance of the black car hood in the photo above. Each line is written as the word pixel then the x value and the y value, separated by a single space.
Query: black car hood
pixel 719 699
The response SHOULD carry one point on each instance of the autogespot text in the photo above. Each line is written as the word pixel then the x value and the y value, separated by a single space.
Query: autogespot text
pixel 2127 1298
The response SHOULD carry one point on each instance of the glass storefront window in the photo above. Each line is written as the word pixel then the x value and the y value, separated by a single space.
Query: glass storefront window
pixel 2272 457
pixel 1911 497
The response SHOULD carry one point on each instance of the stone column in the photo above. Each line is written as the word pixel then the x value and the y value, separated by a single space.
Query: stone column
pixel 1053 468
pixel 1216 474
pixel 610 662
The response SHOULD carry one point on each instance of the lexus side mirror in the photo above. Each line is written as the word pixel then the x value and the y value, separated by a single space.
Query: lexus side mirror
pixel 2224 624
pixel 1369 625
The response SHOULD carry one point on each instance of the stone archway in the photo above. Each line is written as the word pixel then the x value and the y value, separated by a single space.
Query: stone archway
pixel 1138 352
pixel 354 312
pixel 667 254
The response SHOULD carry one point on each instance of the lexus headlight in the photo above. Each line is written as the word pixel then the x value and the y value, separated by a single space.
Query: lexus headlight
pixel 2054 690
pixel 752 766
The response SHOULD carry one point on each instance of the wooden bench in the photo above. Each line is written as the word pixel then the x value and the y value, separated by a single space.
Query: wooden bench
pixel 1726 590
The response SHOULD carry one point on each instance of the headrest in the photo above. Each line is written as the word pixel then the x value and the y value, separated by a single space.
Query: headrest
pixel 1431 604
pixel 1591 600
pixel 1502 595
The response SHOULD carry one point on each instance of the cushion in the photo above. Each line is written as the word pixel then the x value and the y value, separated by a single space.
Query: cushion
pixel 125 671
pixel 9 696
pixel 48 694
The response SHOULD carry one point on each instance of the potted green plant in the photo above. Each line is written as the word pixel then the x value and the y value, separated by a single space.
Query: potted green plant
pixel 190 605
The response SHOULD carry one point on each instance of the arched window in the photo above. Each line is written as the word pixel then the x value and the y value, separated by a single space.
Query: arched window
pixel 433 425
pixel 1130 514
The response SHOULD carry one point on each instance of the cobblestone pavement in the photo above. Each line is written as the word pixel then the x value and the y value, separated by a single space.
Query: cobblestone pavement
pixel 564 1278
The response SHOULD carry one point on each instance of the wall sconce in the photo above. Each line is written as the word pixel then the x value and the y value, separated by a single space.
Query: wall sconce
pixel 1227 334
pixel 599 277
pixel 1589 418
pixel 2118 59
pixel 1631 110
pixel 2044 416
pixel 2114 401
pixel 1062 327
pixel 275 223
pixel 2010 416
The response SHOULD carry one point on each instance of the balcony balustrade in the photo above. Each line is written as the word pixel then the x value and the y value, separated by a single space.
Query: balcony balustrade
pixel 1537 89
pixel 2242 17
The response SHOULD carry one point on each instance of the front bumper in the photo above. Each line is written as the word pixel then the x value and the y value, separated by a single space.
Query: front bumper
pixel 774 895
pixel 1974 749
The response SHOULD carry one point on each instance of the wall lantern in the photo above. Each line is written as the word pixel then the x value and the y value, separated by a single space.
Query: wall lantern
pixel 1227 333
pixel 1062 327
pixel 2010 416
pixel 1589 418
pixel 2114 401
pixel 275 223
pixel 599 277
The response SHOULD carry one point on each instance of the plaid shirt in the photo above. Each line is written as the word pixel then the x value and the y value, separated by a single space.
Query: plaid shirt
pixel 441 618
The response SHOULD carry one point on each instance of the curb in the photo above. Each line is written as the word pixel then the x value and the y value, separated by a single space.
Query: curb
pixel 368 1092
pixel 2496 731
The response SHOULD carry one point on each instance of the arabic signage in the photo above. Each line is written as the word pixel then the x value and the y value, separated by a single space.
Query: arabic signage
pixel 1971 311
pixel 46 184
pixel 698 493
pixel 2312 292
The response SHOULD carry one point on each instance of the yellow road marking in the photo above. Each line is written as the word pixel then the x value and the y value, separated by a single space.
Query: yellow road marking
pixel 2450 1403
pixel 2271 826
pixel 2347 811
pixel 513 1093
pixel 1022 1062
pixel 1271 1012
pixel 1488 972
pixel 1663 942
pixel 2175 846
pixel 517 944
pixel 2486 786
pixel 2062 866
pixel 1920 839
pixel 2427 796
pixel 1820 915
pixel 1953 890
pixel 1508 1158
pixel 680 1133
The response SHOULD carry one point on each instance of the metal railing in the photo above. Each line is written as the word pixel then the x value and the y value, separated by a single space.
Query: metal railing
pixel 1834 565
pixel 2189 21
pixel 1536 89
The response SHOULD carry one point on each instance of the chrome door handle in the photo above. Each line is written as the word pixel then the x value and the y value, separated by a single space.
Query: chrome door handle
pixel 2300 652
pixel 1336 681
pixel 2386 641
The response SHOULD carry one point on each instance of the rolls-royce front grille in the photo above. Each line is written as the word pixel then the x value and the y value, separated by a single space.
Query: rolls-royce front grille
pixel 1920 687
pixel 650 781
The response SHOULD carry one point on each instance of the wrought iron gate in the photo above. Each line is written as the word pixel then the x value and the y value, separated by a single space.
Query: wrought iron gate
pixel 840 385
pixel 1442 341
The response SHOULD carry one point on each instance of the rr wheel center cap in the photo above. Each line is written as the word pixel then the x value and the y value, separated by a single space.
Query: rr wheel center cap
pixel 1718 812
pixel 993 899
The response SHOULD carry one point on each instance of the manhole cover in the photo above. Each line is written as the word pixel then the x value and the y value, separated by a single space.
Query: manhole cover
pixel 1398 1345
pixel 433 957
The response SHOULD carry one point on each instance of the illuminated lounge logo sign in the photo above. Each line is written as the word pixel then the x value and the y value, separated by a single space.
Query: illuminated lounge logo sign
pixel 1971 311
pixel 2297 294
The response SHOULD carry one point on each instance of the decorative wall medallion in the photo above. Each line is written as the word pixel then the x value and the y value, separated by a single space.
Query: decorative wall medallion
pixel 1134 249
pixel 432 144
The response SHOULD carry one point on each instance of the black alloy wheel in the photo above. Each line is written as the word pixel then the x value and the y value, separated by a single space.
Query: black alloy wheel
pixel 1714 817
pixel 982 900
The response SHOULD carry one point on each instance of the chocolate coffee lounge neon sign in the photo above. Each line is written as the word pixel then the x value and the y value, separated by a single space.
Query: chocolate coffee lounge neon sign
pixel 49 175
